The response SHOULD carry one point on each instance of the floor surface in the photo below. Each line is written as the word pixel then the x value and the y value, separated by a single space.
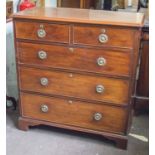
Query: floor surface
pixel 45 140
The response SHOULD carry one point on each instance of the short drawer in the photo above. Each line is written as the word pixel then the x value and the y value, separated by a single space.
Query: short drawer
pixel 42 31
pixel 103 36
pixel 74 113
pixel 80 59
pixel 75 85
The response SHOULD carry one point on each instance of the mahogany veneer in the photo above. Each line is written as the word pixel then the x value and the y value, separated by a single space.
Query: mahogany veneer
pixel 54 32
pixel 77 69
pixel 118 37
pixel 73 84
pixel 118 63
pixel 64 110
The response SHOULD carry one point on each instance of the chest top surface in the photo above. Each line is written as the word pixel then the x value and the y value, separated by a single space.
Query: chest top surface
pixel 86 16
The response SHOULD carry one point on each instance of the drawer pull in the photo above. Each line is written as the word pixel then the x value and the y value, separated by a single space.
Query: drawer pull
pixel 41 33
pixel 103 38
pixel 44 108
pixel 42 54
pixel 97 116
pixel 99 89
pixel 101 61
pixel 44 81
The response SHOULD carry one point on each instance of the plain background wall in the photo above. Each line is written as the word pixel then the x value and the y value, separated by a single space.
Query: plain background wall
pixel 49 3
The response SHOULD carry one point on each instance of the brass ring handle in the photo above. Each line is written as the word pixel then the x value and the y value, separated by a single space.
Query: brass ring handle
pixel 41 33
pixel 100 89
pixel 44 108
pixel 97 116
pixel 103 38
pixel 101 61
pixel 44 81
pixel 42 54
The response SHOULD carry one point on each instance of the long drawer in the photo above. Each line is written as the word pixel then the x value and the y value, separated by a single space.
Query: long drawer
pixel 83 59
pixel 42 31
pixel 75 113
pixel 103 36
pixel 74 85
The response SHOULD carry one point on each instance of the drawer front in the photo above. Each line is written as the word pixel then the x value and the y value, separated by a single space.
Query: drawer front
pixel 74 85
pixel 90 60
pixel 75 113
pixel 42 31
pixel 103 36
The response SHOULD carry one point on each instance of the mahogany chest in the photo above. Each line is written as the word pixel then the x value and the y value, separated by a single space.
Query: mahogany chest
pixel 77 69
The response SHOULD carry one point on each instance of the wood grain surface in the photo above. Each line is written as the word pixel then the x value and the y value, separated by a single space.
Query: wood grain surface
pixel 74 113
pixel 77 59
pixel 83 16
pixel 75 85
pixel 117 37
pixel 54 32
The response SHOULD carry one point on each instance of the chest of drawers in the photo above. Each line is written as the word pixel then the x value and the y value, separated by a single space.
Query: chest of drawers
pixel 77 69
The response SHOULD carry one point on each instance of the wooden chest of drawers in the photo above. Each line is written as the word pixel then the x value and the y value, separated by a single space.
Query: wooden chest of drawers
pixel 77 69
